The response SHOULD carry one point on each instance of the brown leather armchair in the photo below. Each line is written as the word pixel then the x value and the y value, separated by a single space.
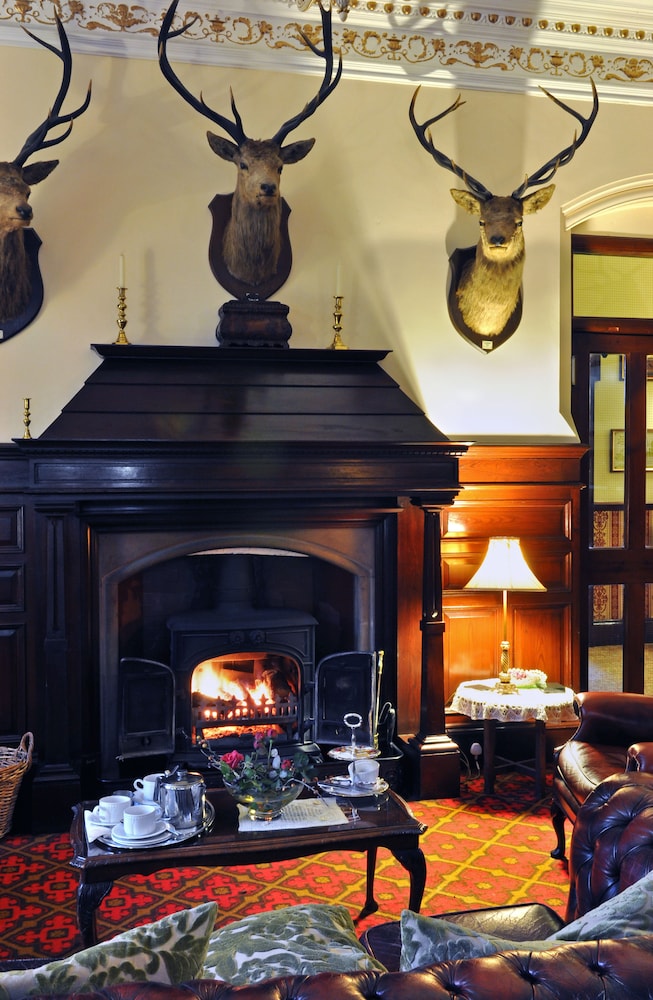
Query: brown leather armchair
pixel 612 842
pixel 615 734
pixel 611 848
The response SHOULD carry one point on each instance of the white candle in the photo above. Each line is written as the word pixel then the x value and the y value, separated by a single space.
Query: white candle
pixel 121 271
pixel 339 279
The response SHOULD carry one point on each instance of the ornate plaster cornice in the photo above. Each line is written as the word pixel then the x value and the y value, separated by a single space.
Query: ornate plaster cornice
pixel 514 47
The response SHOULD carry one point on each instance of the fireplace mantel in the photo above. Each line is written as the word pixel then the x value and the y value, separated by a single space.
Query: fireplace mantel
pixel 169 444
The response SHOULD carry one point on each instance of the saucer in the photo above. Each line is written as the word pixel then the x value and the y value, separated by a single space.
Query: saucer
pixel 343 786
pixel 162 839
pixel 120 836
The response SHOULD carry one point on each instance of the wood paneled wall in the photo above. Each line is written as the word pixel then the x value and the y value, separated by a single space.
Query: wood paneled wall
pixel 529 492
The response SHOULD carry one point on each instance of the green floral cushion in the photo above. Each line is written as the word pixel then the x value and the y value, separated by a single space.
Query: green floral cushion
pixel 295 940
pixel 428 940
pixel 171 950
pixel 627 914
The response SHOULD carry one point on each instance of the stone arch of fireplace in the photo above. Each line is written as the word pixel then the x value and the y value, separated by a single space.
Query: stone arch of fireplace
pixel 344 554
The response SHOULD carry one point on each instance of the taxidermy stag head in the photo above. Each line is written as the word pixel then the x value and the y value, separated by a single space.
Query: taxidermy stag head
pixel 255 223
pixel 485 294
pixel 20 281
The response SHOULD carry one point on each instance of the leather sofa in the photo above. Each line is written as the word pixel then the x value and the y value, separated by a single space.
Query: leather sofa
pixel 607 970
pixel 614 734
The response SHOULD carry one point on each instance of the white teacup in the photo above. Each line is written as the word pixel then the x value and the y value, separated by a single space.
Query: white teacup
pixel 139 820
pixel 110 808
pixel 364 773
pixel 148 785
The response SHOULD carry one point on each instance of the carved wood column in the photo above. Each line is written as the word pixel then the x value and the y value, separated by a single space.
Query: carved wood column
pixel 434 756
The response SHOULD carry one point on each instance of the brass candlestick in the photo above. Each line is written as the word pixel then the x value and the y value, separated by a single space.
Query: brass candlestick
pixel 122 321
pixel 337 344
pixel 27 418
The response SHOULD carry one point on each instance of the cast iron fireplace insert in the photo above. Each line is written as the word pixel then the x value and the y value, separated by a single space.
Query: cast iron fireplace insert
pixel 342 683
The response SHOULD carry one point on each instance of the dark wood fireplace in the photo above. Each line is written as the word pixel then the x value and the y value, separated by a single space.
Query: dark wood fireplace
pixel 173 456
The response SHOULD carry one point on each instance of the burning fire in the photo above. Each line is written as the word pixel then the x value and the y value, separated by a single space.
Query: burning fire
pixel 211 684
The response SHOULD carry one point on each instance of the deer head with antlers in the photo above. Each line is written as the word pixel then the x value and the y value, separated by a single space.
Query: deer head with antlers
pixel 485 292
pixel 250 253
pixel 21 288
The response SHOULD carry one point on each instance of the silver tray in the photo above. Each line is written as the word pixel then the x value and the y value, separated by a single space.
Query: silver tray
pixel 358 753
pixel 339 786
pixel 172 838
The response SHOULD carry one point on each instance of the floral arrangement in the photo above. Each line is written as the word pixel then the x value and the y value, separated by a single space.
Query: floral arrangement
pixel 528 678
pixel 263 770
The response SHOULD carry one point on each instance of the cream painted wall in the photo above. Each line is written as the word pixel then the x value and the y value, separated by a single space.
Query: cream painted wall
pixel 136 177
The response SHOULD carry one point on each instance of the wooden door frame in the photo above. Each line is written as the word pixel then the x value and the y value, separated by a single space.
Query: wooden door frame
pixel 630 565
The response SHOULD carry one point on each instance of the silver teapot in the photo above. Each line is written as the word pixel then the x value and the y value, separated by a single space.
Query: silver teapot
pixel 182 796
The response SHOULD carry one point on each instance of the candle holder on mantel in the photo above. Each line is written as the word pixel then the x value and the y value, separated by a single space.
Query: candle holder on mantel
pixel 27 418
pixel 337 343
pixel 122 320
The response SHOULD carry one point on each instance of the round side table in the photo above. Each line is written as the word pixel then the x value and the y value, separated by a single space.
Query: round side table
pixel 484 700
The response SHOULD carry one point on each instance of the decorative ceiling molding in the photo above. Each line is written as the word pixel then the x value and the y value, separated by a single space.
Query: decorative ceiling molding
pixel 515 47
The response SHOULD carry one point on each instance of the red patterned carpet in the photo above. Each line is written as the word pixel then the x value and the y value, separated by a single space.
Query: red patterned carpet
pixel 480 850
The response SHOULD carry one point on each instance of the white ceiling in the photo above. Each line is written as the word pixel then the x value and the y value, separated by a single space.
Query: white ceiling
pixel 514 47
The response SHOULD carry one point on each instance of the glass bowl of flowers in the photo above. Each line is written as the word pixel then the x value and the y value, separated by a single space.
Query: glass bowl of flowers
pixel 262 780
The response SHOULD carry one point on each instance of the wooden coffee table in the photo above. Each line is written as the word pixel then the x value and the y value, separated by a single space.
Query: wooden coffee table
pixel 390 824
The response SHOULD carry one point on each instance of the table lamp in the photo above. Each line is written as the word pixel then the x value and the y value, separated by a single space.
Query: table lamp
pixel 504 568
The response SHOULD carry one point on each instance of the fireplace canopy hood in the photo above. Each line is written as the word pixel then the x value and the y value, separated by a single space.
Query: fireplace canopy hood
pixel 321 420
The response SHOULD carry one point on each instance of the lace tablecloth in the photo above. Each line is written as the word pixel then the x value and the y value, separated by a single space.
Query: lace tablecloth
pixel 481 700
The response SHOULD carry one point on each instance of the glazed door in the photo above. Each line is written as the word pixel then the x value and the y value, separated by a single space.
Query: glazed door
pixel 613 409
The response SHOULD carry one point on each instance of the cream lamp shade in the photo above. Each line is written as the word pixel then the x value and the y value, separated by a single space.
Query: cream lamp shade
pixel 504 568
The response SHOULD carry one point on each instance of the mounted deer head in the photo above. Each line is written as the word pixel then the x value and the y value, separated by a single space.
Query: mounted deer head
pixel 20 279
pixel 486 295
pixel 252 239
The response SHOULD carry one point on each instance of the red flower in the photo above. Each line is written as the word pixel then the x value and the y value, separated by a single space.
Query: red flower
pixel 233 759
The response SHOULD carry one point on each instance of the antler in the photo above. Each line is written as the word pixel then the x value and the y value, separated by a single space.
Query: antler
pixel 548 169
pixel 328 84
pixel 444 161
pixel 233 128
pixel 37 140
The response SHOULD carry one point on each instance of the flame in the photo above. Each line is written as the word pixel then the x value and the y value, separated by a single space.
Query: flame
pixel 211 683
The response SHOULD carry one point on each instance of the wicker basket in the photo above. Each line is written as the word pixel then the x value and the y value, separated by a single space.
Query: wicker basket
pixel 14 763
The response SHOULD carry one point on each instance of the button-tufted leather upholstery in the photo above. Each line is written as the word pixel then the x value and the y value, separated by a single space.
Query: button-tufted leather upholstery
pixel 611 848
pixel 612 843
pixel 609 724
pixel 607 970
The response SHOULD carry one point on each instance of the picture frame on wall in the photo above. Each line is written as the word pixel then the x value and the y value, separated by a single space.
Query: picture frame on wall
pixel 617 450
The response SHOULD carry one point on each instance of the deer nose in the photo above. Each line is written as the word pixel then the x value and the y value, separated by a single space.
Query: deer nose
pixel 497 240
pixel 268 188
pixel 24 211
